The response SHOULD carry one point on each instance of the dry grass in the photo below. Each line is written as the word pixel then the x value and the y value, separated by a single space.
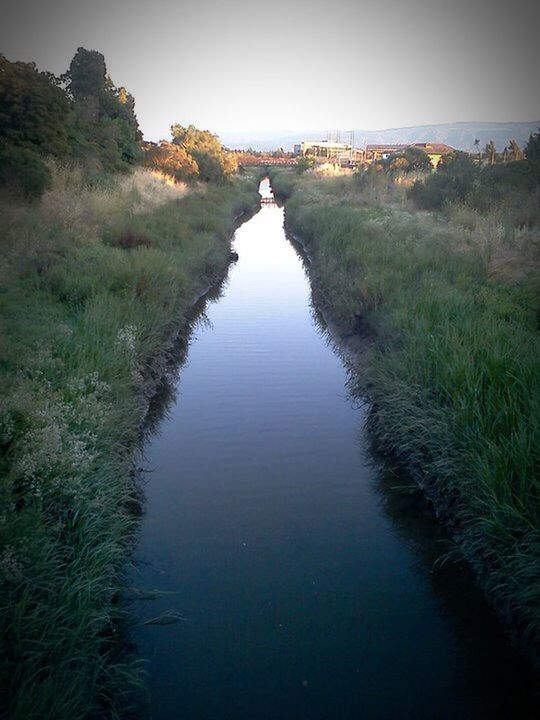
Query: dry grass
pixel 72 201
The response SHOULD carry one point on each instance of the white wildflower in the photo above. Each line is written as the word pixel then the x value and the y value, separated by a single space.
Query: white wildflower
pixel 127 339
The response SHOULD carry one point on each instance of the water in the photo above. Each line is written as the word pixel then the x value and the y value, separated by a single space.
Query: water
pixel 304 582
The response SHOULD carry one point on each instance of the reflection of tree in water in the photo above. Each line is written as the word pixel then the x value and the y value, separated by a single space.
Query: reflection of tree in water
pixel 122 645
pixel 168 386
pixel 497 680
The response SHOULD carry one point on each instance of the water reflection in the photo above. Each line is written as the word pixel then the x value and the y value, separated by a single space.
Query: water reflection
pixel 478 632
pixel 304 592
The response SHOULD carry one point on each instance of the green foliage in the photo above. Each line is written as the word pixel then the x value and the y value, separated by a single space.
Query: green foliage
pixel 453 376
pixel 410 160
pixel 304 163
pixel 34 110
pixel 213 161
pixel 104 124
pixel 90 120
pixel 283 182
pixel 91 289
pixel 532 149
pixel 23 172
pixel 87 76
pixel 499 186
pixel 452 183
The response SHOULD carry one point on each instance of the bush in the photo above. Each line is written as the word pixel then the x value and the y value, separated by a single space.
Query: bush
pixel 412 159
pixel 501 187
pixel 23 172
pixel 172 160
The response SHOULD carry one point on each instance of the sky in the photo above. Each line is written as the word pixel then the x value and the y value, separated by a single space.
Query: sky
pixel 245 66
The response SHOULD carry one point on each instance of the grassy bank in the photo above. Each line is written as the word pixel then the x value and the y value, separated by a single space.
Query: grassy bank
pixel 94 279
pixel 453 377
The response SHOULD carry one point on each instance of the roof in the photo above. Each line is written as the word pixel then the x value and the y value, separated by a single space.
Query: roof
pixel 324 143
pixel 436 148
pixel 385 148
pixel 428 147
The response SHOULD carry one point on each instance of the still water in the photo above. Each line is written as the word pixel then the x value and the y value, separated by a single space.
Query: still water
pixel 304 582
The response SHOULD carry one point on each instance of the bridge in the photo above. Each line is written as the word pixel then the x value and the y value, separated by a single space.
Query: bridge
pixel 248 160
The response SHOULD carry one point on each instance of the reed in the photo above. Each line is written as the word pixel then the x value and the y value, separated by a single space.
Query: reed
pixel 84 314
pixel 453 376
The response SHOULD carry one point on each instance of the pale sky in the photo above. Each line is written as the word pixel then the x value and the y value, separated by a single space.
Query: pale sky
pixel 243 65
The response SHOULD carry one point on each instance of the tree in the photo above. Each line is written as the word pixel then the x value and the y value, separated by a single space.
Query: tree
pixel 34 110
pixel 23 172
pixel 172 160
pixel 105 124
pixel 304 163
pixel 412 159
pixel 532 148
pixel 214 162
pixel 86 82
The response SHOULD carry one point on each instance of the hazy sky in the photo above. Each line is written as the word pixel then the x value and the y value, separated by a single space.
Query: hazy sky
pixel 243 65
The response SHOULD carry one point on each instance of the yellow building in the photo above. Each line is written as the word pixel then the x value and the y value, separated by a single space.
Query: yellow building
pixel 434 151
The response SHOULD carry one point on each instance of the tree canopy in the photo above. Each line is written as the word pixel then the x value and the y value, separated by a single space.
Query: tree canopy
pixel 213 161
pixel 34 110
pixel 82 116
pixel 532 148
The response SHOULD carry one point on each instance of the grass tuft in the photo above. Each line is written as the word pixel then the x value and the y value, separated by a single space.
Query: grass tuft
pixel 93 281
pixel 453 376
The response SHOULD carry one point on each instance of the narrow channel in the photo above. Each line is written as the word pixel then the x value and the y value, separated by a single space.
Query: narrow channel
pixel 305 590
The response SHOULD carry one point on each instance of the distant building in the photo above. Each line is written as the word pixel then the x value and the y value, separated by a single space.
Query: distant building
pixel 381 152
pixel 322 148
pixel 347 156
pixel 434 151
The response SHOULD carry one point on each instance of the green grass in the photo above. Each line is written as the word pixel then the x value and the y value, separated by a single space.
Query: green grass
pixel 82 319
pixel 453 376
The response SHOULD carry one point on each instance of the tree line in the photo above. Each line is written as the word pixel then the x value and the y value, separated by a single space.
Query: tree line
pixel 83 117
pixel 459 179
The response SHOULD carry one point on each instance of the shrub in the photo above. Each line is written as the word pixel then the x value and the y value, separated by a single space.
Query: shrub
pixel 494 187
pixel 532 148
pixel 411 160
pixel 172 160
pixel 23 172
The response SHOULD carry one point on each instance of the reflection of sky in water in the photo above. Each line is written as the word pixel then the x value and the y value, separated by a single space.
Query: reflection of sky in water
pixel 302 601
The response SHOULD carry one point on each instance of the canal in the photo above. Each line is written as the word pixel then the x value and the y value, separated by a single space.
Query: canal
pixel 301 581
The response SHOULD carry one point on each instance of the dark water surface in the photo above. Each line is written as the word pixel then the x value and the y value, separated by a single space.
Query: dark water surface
pixel 305 582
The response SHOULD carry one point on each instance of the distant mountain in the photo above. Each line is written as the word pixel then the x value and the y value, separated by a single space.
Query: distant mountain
pixel 459 135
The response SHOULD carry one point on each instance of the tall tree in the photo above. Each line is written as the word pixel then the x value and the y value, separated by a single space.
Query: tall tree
pixel 34 109
pixel 532 149
pixel 106 124
pixel 214 162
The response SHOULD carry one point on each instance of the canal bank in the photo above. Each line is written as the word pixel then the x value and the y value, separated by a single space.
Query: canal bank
pixel 303 586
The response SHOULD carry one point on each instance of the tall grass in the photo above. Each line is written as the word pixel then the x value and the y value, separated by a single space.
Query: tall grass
pixel 453 377
pixel 84 315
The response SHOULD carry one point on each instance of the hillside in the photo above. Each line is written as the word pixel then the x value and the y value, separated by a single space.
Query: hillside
pixel 460 135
